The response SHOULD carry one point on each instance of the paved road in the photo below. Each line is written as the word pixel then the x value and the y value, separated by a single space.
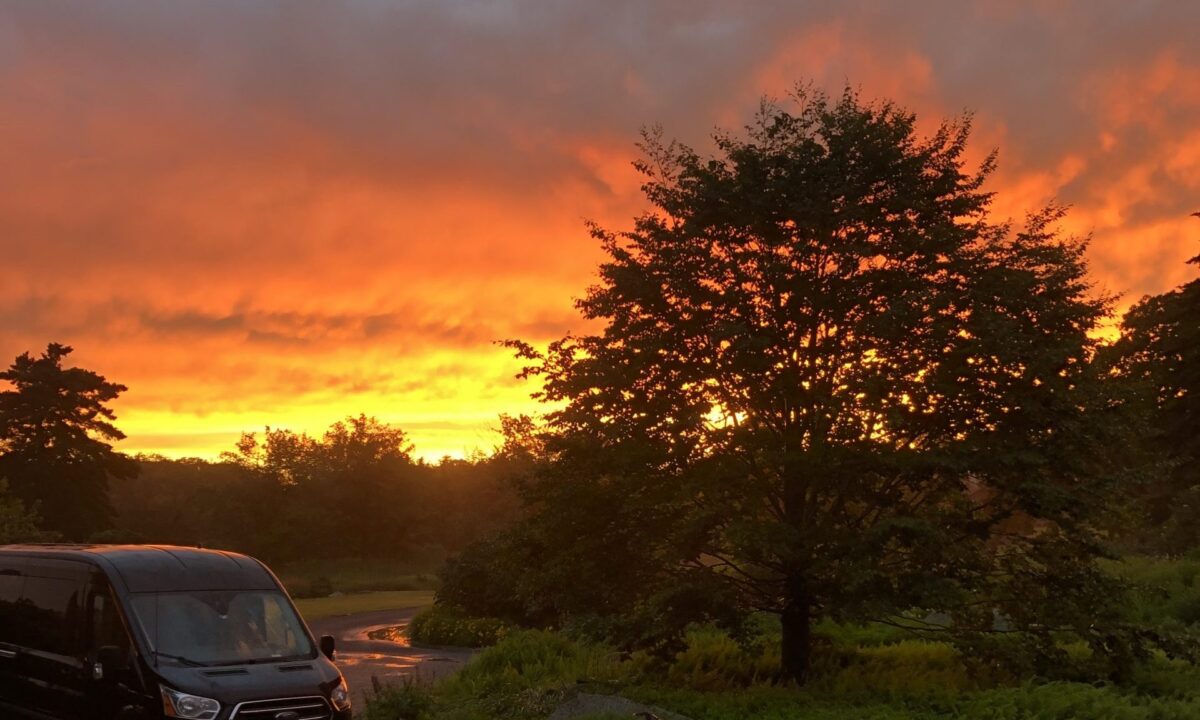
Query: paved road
pixel 359 657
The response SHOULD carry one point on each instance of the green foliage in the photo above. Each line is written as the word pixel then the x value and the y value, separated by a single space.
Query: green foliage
pixel 441 625
pixel 1165 594
pixel 715 677
pixel 713 661
pixel 856 634
pixel 409 699
pixel 56 430
pixel 17 523
pixel 528 674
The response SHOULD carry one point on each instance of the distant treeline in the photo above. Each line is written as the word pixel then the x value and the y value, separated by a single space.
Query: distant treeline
pixel 355 492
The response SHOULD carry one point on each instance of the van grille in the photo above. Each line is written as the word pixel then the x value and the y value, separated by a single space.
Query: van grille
pixel 307 708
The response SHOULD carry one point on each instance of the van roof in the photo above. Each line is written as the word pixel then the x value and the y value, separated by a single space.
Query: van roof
pixel 163 568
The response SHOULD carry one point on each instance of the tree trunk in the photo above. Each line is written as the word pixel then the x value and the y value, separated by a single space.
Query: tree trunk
pixel 797 636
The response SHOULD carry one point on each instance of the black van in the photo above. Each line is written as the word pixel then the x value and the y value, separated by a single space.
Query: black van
pixel 134 632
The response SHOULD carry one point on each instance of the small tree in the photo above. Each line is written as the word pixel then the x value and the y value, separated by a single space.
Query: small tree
pixel 55 434
pixel 18 523
pixel 828 381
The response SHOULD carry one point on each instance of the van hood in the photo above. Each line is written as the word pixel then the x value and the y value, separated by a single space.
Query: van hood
pixel 233 684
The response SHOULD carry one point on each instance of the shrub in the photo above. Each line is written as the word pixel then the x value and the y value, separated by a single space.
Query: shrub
pixel 851 635
pixel 528 674
pixel 1165 591
pixel 409 700
pixel 713 661
pixel 440 625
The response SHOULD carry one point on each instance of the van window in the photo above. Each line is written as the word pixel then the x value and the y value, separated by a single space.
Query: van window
pixel 222 627
pixel 10 592
pixel 49 614
pixel 107 630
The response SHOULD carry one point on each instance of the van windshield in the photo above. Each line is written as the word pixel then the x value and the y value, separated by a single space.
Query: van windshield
pixel 222 627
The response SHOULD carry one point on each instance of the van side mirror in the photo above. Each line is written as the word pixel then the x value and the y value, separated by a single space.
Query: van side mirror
pixel 327 646
pixel 109 661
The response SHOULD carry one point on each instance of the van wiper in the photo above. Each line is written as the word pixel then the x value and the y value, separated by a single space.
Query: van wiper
pixel 180 659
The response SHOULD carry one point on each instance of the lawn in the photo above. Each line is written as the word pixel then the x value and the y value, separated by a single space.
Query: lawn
pixel 318 578
pixel 317 608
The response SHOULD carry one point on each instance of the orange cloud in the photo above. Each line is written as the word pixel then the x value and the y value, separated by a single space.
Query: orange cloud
pixel 283 213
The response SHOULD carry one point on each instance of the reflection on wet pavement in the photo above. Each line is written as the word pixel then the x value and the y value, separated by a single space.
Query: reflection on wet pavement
pixel 373 646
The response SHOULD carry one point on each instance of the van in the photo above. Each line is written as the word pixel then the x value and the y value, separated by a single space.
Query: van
pixel 137 632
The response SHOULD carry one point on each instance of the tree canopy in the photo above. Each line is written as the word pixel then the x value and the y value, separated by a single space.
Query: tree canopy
pixel 828 384
pixel 56 430
pixel 1158 354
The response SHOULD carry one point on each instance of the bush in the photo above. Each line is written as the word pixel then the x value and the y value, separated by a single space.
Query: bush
pixel 1165 591
pixel 440 625
pixel 851 635
pixel 408 700
pixel 528 674
pixel 712 660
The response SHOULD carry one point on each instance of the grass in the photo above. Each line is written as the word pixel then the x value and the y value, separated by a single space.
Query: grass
pixel 318 578
pixel 317 608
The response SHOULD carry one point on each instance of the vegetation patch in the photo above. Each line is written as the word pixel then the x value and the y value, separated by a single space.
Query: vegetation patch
pixel 440 625
pixel 529 674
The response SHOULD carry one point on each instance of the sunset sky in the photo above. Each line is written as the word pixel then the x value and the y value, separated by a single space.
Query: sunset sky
pixel 284 213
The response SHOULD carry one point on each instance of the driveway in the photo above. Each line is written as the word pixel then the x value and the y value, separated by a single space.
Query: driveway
pixel 360 658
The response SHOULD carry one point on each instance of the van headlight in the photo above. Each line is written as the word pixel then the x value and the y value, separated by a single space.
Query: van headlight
pixel 192 707
pixel 340 697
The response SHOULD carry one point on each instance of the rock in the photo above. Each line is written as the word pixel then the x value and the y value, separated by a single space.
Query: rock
pixel 582 704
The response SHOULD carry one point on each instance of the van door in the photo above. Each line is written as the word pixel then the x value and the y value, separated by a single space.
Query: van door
pixel 116 691
pixel 50 637
pixel 12 690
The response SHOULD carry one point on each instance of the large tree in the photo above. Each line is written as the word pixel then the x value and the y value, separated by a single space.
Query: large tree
pixel 1158 353
pixel 829 383
pixel 56 430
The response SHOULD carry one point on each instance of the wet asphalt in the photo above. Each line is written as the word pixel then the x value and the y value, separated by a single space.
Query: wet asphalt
pixel 361 658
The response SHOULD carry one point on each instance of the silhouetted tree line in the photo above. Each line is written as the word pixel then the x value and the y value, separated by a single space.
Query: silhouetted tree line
pixel 356 491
